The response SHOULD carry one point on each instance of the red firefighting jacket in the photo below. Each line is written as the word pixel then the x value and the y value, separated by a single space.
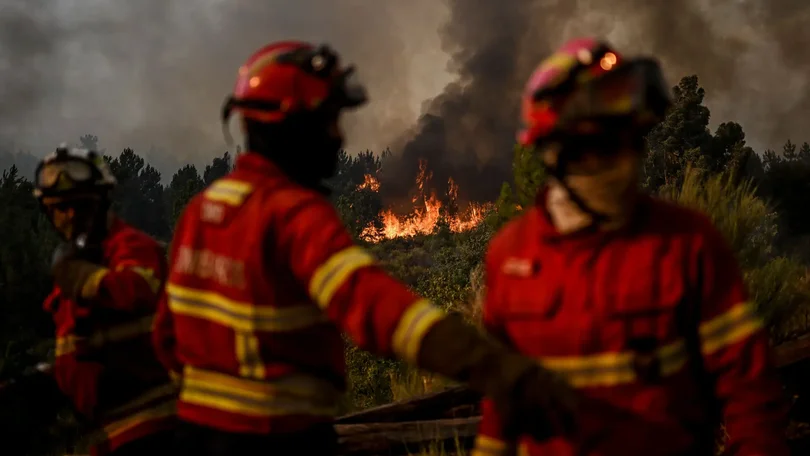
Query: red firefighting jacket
pixel 263 278
pixel 104 361
pixel 615 313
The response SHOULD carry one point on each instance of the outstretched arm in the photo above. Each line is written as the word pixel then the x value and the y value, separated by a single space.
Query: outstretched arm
pixel 379 313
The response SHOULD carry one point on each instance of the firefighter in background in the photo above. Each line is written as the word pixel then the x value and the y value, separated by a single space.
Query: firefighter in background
pixel 638 302
pixel 264 276
pixel 108 277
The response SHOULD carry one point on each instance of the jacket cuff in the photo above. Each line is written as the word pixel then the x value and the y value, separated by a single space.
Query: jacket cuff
pixel 489 446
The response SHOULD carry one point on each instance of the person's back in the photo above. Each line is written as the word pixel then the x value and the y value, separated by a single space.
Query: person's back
pixel 260 322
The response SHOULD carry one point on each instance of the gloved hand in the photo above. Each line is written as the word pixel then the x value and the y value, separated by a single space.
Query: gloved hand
pixel 70 273
pixel 531 400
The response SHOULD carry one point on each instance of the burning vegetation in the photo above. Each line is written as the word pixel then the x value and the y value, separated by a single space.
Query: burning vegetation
pixel 426 213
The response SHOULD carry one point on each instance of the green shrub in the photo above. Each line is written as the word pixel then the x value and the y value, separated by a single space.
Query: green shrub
pixel 778 284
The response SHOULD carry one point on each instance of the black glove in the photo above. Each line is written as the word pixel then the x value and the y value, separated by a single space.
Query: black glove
pixel 530 399
pixel 71 273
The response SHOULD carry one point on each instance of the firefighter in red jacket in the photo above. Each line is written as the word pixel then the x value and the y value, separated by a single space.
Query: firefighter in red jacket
pixel 638 302
pixel 264 276
pixel 108 277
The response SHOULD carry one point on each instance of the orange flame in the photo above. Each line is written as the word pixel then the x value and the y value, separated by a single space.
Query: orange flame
pixel 425 215
pixel 369 182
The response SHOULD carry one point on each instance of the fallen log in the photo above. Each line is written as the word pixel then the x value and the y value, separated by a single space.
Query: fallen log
pixel 790 353
pixel 460 402
pixel 454 402
pixel 406 438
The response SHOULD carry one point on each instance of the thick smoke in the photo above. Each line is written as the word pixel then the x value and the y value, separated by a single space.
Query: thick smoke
pixel 750 55
pixel 154 72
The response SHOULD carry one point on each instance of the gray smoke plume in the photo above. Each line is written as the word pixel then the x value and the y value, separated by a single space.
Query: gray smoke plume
pixel 154 72
pixel 750 55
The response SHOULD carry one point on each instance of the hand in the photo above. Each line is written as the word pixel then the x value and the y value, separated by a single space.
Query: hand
pixel 539 403
pixel 531 399
pixel 71 274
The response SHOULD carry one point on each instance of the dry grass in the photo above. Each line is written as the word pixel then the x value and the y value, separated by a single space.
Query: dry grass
pixel 410 383
pixel 439 450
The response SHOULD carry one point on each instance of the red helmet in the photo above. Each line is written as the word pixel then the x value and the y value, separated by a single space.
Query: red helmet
pixel 290 77
pixel 586 85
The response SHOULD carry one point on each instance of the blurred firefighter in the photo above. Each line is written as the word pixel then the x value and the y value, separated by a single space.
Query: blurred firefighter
pixel 108 277
pixel 638 302
pixel 264 276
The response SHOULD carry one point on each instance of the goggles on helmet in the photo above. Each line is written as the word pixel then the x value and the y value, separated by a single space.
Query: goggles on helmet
pixel 346 90
pixel 77 171
pixel 602 92
pixel 67 175
pixel 322 62
pixel 635 91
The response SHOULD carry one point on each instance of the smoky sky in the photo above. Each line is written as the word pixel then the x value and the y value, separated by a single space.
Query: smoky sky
pixel 751 57
pixel 444 75
pixel 152 74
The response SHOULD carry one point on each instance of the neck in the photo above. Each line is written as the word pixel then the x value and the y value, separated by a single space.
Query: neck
pixel 567 217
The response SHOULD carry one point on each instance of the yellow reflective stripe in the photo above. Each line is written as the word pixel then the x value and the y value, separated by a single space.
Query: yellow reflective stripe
pixel 412 327
pixel 736 324
pixel 611 369
pixel 65 345
pixel 488 446
pixel 333 273
pixel 233 185
pixel 122 331
pixel 227 191
pixel 116 333
pixel 523 450
pixel 164 410
pixel 295 394
pixel 147 274
pixel 90 286
pixel 248 355
pixel 241 316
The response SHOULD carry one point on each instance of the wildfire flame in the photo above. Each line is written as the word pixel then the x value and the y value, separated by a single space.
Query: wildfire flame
pixel 426 214
pixel 370 182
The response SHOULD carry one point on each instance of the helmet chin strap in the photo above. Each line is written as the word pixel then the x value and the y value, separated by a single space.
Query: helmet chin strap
pixel 558 172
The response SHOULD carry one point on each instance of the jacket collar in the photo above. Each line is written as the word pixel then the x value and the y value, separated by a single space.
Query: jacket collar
pixel 592 235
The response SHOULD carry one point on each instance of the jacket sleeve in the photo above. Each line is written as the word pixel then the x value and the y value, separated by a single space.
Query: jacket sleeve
pixel 164 340
pixel 490 440
pixel 77 380
pixel 379 313
pixel 133 279
pixel 737 353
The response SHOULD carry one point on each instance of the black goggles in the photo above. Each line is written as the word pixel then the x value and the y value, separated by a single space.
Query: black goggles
pixel 635 90
pixel 322 62
pixel 346 91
